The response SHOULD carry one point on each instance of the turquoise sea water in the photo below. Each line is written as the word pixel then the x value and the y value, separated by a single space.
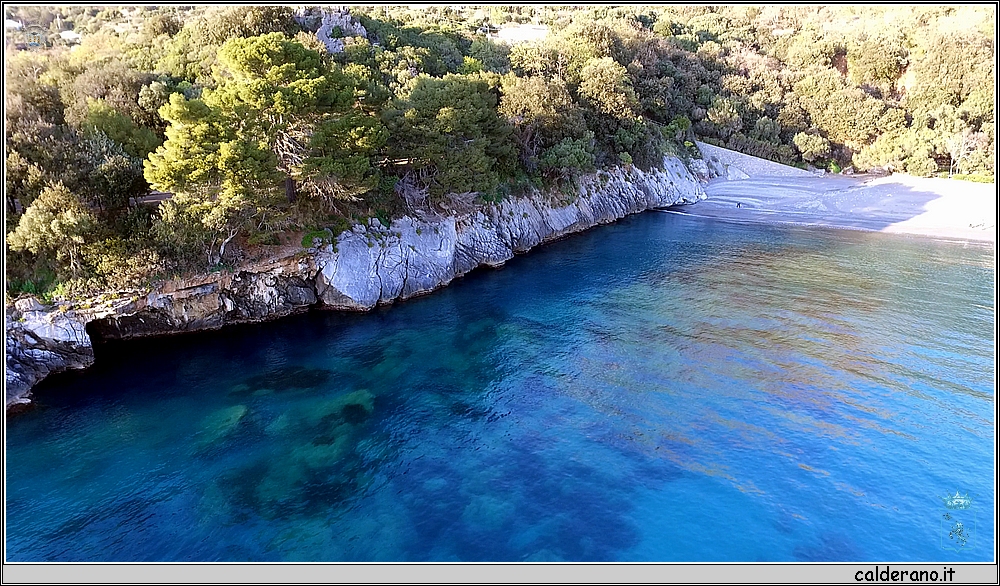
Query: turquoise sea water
pixel 662 389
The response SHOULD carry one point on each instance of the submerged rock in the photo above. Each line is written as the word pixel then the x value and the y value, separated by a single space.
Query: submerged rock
pixel 221 423
pixel 285 379
pixel 486 513
pixel 368 266
pixel 544 555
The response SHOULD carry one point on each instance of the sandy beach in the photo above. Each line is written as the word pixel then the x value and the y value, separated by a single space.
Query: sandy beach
pixel 773 193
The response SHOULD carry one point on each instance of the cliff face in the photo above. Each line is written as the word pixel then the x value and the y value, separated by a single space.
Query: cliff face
pixel 373 265
pixel 40 348
pixel 368 266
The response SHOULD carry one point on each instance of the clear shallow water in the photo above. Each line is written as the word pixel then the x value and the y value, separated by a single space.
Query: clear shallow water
pixel 663 389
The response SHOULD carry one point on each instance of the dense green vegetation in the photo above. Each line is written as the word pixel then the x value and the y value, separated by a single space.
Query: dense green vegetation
pixel 263 136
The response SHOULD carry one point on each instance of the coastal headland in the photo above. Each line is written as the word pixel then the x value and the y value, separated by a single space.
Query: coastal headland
pixel 375 265
pixel 368 265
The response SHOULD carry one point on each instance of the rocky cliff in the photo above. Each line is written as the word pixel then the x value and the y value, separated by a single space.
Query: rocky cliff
pixel 367 266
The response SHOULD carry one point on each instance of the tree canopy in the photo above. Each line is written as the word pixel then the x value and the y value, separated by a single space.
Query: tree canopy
pixel 260 133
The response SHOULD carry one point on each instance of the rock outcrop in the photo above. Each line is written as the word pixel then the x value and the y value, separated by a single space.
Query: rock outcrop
pixel 335 25
pixel 40 343
pixel 375 265
pixel 270 290
pixel 367 266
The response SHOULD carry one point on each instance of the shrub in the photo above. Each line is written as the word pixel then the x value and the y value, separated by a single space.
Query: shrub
pixel 812 146
pixel 975 178
pixel 56 223
pixel 121 264
pixel 325 236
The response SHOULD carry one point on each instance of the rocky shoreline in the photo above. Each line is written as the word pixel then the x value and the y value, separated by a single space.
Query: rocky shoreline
pixel 367 266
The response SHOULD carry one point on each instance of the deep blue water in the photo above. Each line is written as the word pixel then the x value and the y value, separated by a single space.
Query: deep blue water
pixel 665 389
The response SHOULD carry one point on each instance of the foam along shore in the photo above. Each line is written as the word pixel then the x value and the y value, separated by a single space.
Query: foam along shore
pixel 941 208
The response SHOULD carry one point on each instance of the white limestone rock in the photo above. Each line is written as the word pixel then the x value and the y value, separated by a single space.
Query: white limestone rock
pixel 373 265
pixel 368 266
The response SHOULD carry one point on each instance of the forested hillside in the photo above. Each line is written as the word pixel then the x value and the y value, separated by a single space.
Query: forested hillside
pixel 261 136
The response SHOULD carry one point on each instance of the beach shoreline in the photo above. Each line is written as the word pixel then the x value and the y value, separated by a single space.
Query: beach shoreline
pixel 900 204
pixel 751 189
